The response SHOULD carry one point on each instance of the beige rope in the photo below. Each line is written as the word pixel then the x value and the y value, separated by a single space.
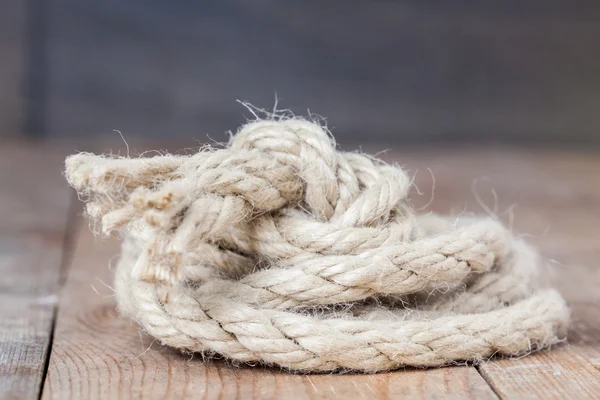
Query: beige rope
pixel 282 250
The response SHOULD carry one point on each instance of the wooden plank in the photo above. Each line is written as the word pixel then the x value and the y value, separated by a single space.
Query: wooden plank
pixel 29 278
pixel 33 219
pixel 34 196
pixel 558 205
pixel 96 354
pixel 571 371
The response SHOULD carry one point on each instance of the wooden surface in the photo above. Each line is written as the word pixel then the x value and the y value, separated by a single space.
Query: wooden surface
pixel 34 203
pixel 553 197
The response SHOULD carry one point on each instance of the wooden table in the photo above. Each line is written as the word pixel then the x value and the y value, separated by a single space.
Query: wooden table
pixel 61 337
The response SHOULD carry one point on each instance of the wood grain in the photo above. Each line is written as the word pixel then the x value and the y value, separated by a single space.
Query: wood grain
pixel 33 220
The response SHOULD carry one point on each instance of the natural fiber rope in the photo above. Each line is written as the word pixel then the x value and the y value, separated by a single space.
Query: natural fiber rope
pixel 279 249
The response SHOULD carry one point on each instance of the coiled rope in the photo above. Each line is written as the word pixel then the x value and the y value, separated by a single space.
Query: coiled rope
pixel 281 250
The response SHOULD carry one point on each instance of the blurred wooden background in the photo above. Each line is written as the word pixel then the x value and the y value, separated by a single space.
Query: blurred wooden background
pixel 525 73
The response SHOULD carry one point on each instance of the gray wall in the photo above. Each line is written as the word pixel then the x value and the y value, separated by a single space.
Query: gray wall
pixel 12 68
pixel 512 71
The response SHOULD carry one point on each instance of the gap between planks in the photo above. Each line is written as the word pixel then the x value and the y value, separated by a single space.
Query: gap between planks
pixel 70 233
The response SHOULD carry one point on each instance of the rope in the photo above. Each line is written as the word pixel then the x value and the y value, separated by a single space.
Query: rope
pixel 281 250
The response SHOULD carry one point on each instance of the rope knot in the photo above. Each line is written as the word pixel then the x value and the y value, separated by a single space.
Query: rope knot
pixel 281 249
